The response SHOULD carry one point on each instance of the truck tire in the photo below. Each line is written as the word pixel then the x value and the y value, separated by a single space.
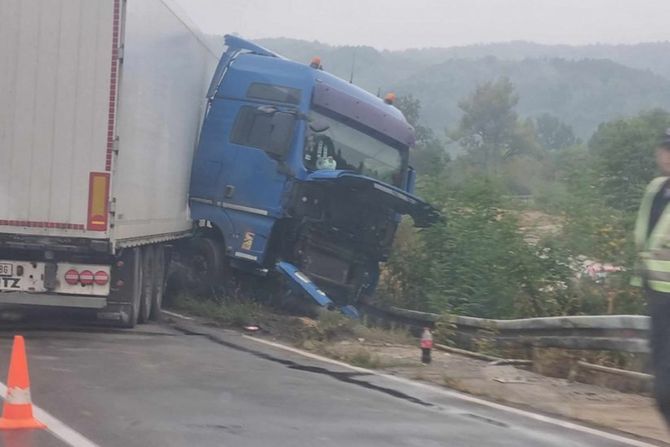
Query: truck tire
pixel 148 281
pixel 131 312
pixel 160 277
pixel 206 262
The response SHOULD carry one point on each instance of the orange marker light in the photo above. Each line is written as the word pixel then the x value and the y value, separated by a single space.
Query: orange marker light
pixel 316 63
pixel 98 210
pixel 390 98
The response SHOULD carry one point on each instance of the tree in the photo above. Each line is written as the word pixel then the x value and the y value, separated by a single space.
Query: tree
pixel 490 130
pixel 623 157
pixel 554 134
pixel 410 107
pixel 476 262
pixel 428 156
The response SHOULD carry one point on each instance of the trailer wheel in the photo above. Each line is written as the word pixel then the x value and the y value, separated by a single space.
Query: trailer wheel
pixel 160 268
pixel 148 280
pixel 130 318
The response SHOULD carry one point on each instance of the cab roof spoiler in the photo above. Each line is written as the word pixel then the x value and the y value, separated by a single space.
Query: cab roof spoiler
pixel 238 44
pixel 234 46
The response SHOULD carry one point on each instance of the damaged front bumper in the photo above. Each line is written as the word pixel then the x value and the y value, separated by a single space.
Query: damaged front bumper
pixel 302 284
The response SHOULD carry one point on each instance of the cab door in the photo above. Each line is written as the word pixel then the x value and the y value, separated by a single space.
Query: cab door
pixel 215 156
pixel 262 137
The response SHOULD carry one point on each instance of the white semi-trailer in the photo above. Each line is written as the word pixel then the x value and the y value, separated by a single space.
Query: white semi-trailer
pixel 101 103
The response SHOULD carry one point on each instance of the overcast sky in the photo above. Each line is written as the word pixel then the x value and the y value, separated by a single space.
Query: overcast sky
pixel 399 24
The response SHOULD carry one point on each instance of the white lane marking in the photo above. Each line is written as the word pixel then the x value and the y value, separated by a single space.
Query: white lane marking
pixel 56 427
pixel 175 314
pixel 464 397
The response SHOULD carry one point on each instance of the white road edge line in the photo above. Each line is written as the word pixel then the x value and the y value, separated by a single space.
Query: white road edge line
pixel 465 397
pixel 175 314
pixel 57 428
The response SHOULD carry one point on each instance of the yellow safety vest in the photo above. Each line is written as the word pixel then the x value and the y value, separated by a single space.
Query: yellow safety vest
pixel 653 250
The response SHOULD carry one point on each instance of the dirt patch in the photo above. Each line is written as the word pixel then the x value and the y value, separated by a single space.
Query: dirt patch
pixel 536 225
pixel 629 413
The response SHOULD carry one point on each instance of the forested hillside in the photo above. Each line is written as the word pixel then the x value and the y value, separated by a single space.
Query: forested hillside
pixel 580 93
pixel 582 86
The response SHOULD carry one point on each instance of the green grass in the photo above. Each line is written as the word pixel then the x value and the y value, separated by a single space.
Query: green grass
pixel 318 336
pixel 223 310
pixel 396 336
pixel 364 359
pixel 332 326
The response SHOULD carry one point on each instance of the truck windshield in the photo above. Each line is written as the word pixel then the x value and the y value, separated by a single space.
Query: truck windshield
pixel 340 146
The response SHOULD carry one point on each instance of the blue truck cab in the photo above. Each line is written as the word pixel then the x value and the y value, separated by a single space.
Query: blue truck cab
pixel 302 173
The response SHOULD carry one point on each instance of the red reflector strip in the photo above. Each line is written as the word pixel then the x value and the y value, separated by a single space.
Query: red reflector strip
pixel 72 277
pixel 101 278
pixel 113 84
pixel 86 277
pixel 98 202
pixel 33 224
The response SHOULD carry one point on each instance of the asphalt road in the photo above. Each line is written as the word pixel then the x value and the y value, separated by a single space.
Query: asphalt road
pixel 158 386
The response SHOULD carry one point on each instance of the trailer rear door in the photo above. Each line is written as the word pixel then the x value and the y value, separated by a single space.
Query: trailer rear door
pixel 58 82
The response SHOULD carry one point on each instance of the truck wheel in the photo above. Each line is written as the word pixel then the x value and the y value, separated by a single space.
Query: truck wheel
pixel 148 280
pixel 132 313
pixel 206 262
pixel 160 268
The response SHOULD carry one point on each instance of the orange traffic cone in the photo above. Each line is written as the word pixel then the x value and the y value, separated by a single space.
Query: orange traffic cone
pixel 18 409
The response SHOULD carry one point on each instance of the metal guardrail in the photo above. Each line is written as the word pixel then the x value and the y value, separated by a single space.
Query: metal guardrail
pixel 620 333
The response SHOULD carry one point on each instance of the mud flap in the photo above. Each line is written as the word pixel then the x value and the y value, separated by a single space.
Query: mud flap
pixel 301 282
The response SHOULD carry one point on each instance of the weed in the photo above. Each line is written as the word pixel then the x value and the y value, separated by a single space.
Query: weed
pixel 485 342
pixel 223 310
pixel 398 336
pixel 452 382
pixel 331 326
pixel 364 359
pixel 445 329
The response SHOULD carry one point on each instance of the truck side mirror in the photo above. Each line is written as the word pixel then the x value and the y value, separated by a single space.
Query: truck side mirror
pixel 283 124
pixel 411 179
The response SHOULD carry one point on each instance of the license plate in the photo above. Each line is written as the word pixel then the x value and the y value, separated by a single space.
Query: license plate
pixel 9 283
pixel 31 279
pixel 6 269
